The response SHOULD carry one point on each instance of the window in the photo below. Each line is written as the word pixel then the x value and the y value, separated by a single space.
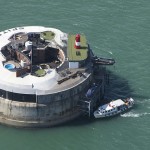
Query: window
pixel 17 96
pixel 2 93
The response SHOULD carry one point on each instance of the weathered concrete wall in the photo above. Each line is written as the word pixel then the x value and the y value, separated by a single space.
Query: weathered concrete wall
pixel 49 110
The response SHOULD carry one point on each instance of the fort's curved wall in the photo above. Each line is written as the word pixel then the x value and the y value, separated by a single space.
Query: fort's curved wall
pixel 30 102
pixel 49 110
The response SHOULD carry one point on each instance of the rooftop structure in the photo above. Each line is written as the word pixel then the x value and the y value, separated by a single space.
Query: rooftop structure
pixel 77 54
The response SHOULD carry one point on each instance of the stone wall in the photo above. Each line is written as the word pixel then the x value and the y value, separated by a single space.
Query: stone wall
pixel 49 110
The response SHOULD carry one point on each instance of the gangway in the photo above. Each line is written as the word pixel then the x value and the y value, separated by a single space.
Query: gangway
pixel 90 99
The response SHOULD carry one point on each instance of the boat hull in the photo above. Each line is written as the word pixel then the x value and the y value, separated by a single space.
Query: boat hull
pixel 114 111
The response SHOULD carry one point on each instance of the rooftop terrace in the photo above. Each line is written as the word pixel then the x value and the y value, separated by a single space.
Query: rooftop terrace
pixel 48 56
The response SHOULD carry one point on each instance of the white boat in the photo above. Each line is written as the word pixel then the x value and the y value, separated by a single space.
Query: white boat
pixel 113 108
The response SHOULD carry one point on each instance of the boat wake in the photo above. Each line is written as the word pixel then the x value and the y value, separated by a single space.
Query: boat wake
pixel 143 101
pixel 106 51
pixel 134 115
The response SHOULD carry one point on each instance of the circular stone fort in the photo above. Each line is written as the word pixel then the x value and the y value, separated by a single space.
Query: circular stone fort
pixel 46 75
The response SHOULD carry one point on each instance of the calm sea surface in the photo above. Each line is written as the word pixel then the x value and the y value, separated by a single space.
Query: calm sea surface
pixel 114 28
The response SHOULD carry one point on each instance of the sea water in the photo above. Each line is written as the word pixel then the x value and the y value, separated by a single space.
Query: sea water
pixel 114 28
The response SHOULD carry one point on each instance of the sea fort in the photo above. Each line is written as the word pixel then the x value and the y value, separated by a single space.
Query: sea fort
pixel 46 75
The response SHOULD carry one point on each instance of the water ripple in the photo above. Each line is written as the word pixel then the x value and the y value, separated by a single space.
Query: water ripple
pixel 135 115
